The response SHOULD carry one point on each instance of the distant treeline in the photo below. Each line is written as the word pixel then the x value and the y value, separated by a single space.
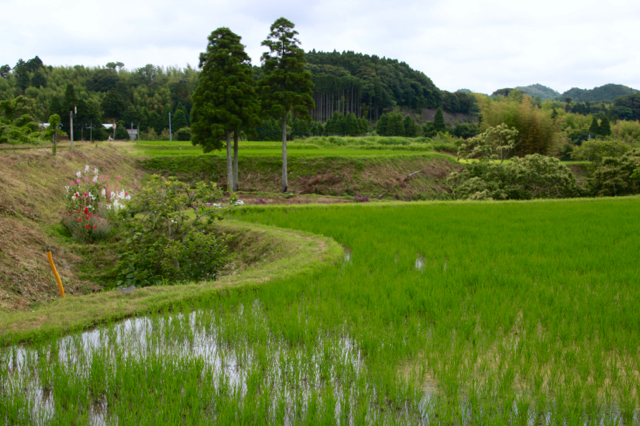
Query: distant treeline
pixel 345 83
pixel 606 93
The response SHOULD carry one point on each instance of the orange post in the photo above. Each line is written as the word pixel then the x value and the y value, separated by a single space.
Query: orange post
pixel 55 272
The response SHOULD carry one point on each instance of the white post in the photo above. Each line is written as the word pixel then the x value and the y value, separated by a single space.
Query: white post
pixel 71 127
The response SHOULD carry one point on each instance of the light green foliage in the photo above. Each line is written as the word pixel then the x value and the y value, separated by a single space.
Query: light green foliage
pixel 617 176
pixel 538 132
pixel 468 313
pixel 167 241
pixel 184 134
pixel 522 178
pixel 494 144
pixel 596 150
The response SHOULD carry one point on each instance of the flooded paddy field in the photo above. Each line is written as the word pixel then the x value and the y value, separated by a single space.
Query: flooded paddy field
pixel 442 313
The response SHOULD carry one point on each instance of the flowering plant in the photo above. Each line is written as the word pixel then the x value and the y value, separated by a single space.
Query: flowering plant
pixel 88 200
pixel 95 193
pixel 361 199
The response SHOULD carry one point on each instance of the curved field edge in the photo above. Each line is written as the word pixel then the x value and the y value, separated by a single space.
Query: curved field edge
pixel 284 253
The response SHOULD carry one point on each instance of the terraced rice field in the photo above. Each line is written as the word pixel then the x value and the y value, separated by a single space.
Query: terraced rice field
pixel 441 313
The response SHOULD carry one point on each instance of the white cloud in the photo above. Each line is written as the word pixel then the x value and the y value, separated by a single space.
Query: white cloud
pixel 482 46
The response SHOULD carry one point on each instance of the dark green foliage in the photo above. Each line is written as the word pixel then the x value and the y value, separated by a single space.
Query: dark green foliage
pixel 618 176
pixel 301 128
pixel 554 114
pixel 396 125
pixel 225 100
pixel 428 131
pixel 103 81
pixel 627 107
pixel 179 118
pixel 438 121
pixel 39 79
pixel 594 129
pixel 377 83
pixel 4 71
pixel 335 125
pixel 286 86
pixel 411 129
pixel 155 122
pixel 608 92
pixel 539 91
pixel 465 130
pixel 605 127
pixel 183 134
pixel 121 131
pixel 113 106
pixel 382 126
pixel 459 102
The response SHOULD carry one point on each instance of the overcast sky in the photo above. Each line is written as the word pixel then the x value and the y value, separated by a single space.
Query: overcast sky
pixel 479 45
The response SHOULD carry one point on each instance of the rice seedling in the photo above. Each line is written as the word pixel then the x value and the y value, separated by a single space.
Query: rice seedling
pixel 518 313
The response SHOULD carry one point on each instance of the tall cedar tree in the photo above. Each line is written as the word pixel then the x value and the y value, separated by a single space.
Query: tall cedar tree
pixel 438 121
pixel 225 101
pixel 594 129
pixel 286 86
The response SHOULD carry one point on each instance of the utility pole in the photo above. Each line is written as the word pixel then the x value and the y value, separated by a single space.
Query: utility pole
pixel 71 114
pixel 170 135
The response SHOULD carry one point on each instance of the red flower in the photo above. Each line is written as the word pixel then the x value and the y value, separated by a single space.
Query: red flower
pixel 79 219
pixel 87 226
pixel 95 226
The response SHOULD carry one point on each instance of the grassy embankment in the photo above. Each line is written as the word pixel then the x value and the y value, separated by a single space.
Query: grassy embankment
pixel 479 312
pixel 329 171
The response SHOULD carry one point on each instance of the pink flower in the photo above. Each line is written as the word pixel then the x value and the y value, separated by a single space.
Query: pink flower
pixel 107 176
pixel 71 183
pixel 101 176
pixel 78 181
pixel 118 178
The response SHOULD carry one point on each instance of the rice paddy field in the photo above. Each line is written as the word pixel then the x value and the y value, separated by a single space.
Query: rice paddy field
pixel 318 147
pixel 439 314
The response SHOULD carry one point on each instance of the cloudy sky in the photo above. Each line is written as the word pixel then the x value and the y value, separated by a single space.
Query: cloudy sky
pixel 479 45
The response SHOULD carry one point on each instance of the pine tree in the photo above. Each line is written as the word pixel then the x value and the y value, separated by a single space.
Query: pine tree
pixel 225 100
pixel 605 127
pixel 438 121
pixel 396 125
pixel 286 86
pixel 410 127
pixel 382 126
pixel 594 129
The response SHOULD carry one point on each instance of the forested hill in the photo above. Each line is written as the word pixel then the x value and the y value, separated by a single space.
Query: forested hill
pixel 367 85
pixel 539 91
pixel 608 92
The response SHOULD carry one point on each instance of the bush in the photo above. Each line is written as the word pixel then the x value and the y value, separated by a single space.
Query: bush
pixel 618 176
pixel 184 134
pixel 597 150
pixel 530 177
pixel 167 241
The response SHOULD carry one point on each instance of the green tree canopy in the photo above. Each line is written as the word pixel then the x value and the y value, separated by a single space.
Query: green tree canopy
pixel 225 100
pixel 438 121
pixel 286 86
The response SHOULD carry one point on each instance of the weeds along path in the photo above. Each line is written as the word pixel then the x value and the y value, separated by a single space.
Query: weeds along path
pixel 25 276
pixel 279 254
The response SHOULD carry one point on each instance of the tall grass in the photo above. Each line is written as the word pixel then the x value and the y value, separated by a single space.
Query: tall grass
pixel 445 313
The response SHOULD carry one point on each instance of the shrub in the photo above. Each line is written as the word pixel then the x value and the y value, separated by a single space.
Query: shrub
pixel 534 176
pixel 597 150
pixel 184 134
pixel 618 176
pixel 167 240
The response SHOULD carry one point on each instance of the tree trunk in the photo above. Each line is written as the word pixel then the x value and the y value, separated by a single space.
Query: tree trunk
pixel 285 180
pixel 235 161
pixel 229 164
pixel 55 140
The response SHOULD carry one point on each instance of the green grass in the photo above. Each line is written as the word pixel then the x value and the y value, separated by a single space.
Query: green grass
pixel 294 149
pixel 444 313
